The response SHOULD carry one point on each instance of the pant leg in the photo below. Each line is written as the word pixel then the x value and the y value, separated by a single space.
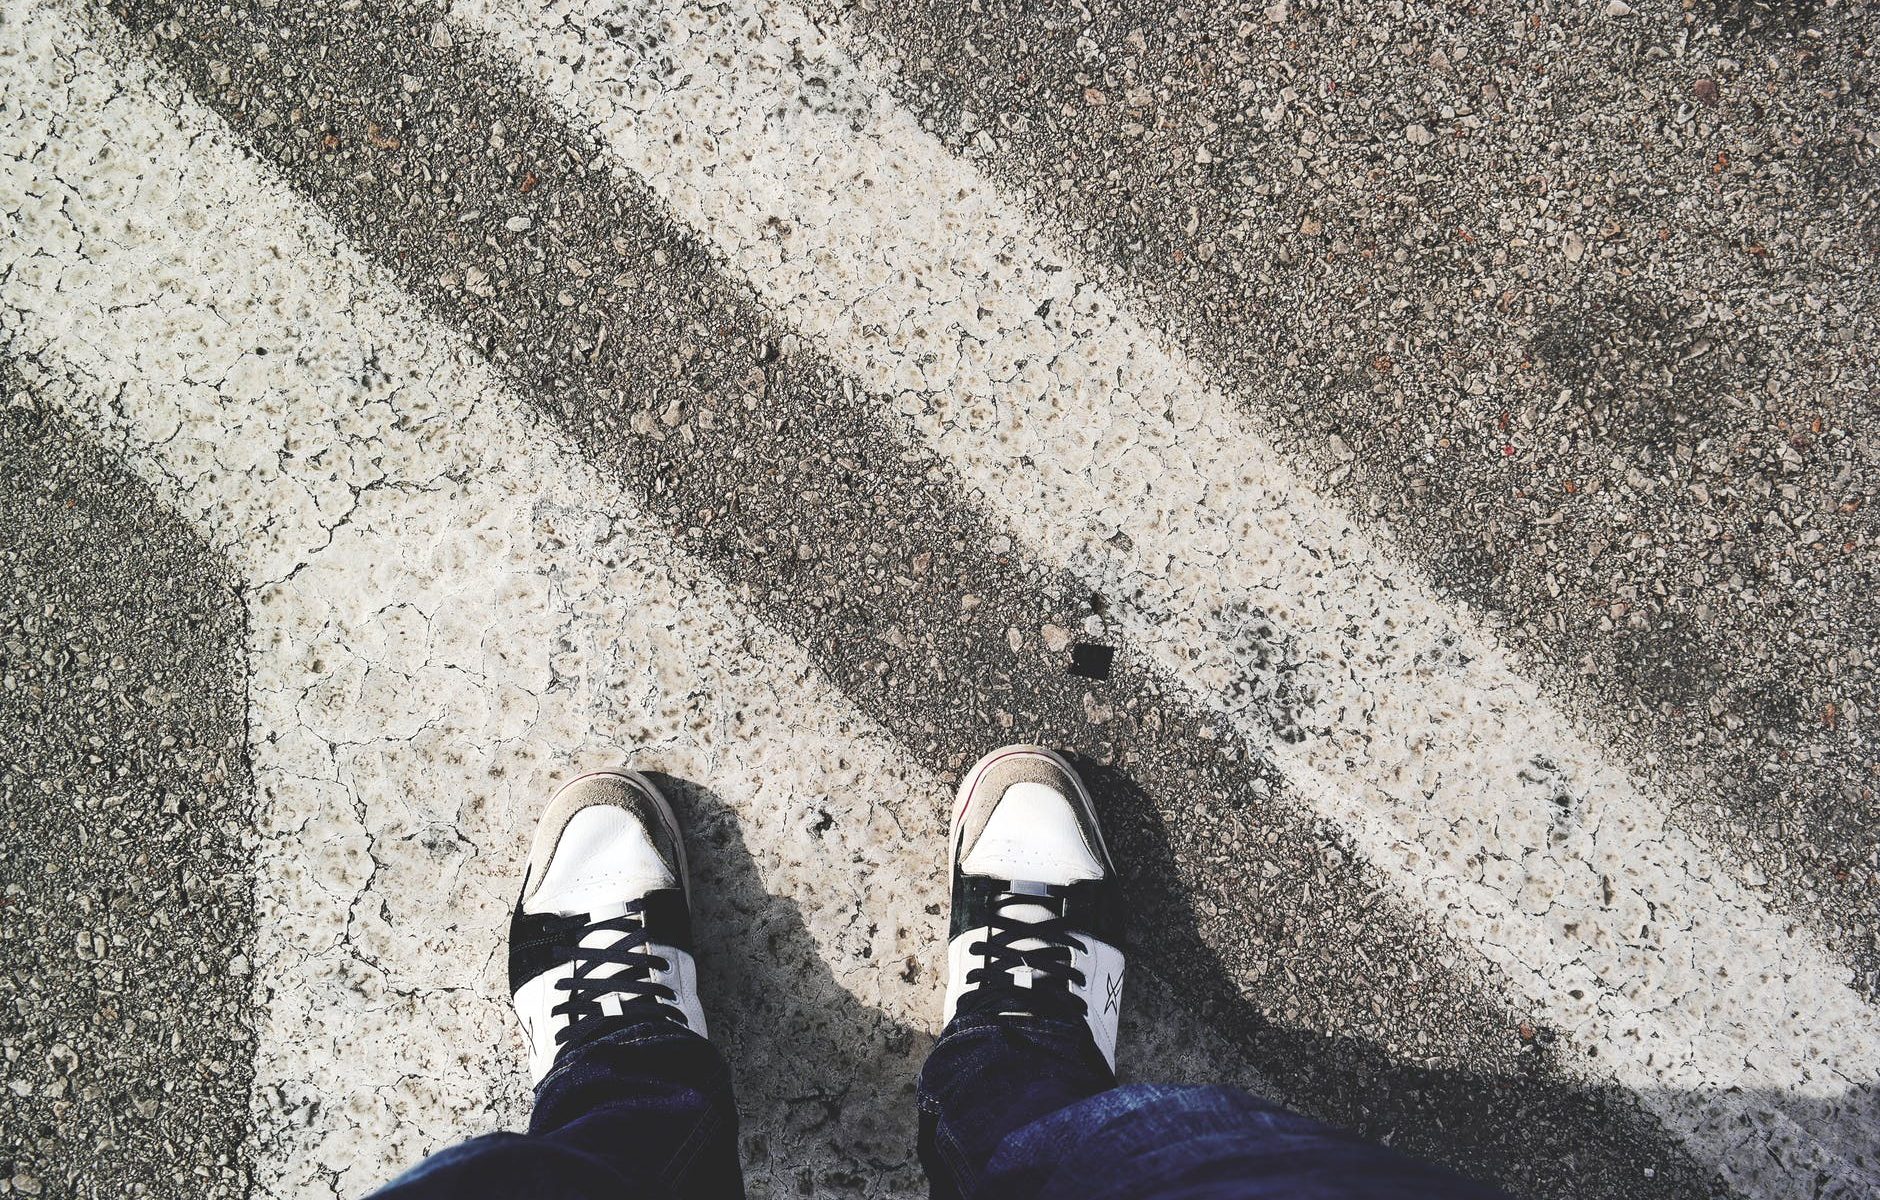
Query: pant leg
pixel 639 1113
pixel 986 1079
pixel 1025 1109
pixel 1206 1143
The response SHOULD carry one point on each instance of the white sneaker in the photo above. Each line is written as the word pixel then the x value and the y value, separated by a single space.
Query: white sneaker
pixel 1037 921
pixel 603 929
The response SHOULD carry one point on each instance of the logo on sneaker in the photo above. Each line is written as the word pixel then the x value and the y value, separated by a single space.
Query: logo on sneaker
pixel 1114 986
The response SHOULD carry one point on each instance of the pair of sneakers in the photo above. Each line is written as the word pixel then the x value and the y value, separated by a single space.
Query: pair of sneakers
pixel 601 937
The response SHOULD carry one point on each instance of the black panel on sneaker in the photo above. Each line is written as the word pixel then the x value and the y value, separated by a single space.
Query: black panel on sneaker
pixel 1094 906
pixel 535 939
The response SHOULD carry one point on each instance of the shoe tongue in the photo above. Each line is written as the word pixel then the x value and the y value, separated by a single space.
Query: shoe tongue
pixel 1031 914
pixel 602 939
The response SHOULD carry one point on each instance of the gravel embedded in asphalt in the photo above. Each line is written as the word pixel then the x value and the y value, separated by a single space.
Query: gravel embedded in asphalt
pixel 1578 303
pixel 125 895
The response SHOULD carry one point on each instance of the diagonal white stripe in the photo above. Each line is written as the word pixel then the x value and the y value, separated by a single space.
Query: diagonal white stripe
pixel 447 611
pixel 1112 455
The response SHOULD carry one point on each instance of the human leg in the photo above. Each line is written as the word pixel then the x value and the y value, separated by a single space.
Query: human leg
pixel 631 1099
pixel 1018 1099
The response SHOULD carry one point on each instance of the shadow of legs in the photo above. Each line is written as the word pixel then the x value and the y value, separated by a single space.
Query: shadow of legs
pixel 825 1083
pixel 1536 1132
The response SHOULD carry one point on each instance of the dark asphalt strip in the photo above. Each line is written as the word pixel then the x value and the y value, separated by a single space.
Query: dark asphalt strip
pixel 1650 448
pixel 512 228
pixel 126 895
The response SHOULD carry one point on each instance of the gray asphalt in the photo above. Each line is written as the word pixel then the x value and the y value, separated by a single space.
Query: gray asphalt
pixel 1581 306
pixel 125 894
pixel 1648 239
pixel 867 557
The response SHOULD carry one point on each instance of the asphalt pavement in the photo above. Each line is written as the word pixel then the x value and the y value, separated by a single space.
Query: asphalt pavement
pixel 1419 461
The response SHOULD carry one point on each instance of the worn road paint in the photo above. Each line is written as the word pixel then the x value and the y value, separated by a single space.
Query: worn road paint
pixel 1258 909
pixel 1117 458
pixel 448 612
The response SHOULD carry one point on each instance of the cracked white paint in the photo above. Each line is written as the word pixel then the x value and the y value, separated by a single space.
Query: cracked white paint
pixel 1113 456
pixel 448 612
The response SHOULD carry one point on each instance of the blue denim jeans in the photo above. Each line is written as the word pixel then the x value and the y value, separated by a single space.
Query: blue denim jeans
pixel 1025 1108
pixel 1011 1108
pixel 636 1113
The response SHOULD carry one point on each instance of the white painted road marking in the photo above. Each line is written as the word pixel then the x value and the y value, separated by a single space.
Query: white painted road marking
pixel 399 541
pixel 447 612
pixel 1077 425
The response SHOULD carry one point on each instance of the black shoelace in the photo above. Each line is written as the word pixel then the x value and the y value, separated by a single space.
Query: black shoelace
pixel 641 997
pixel 1049 959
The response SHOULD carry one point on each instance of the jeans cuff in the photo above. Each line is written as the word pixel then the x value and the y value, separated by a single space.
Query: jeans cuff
pixel 1073 1034
pixel 967 1023
pixel 640 1033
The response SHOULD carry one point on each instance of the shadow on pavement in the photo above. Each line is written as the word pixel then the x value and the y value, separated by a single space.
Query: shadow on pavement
pixel 826 1081
pixel 1536 1132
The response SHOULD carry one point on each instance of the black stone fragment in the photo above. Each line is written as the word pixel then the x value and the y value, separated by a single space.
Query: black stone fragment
pixel 1091 660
